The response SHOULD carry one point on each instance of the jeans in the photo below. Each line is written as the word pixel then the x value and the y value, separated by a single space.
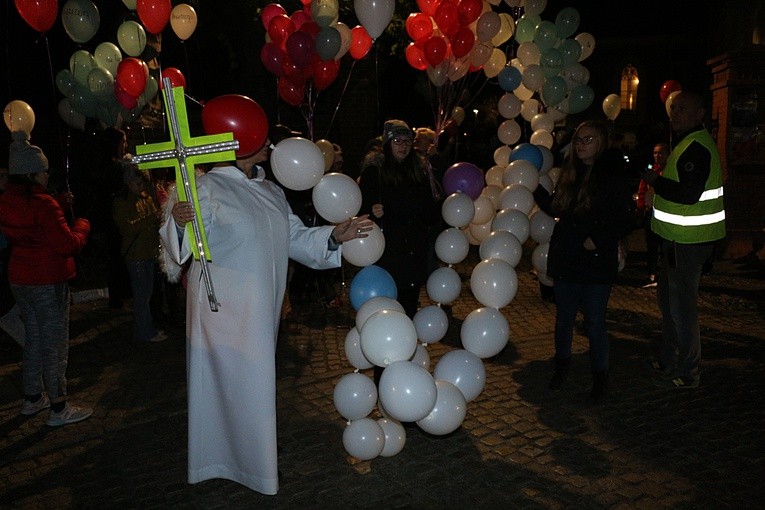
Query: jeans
pixel 678 290
pixel 45 313
pixel 142 281
pixel 592 299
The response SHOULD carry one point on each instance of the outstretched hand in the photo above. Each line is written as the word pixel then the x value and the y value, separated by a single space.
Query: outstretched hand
pixel 353 228
pixel 183 212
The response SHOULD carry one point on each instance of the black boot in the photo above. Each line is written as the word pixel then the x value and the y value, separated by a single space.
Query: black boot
pixel 561 373
pixel 599 386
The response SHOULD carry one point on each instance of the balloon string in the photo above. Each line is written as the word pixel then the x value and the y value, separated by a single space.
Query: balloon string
pixel 188 67
pixel 342 95
pixel 8 46
pixel 377 83
pixel 64 151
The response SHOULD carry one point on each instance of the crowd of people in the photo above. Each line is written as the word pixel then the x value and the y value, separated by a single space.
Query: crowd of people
pixel 251 222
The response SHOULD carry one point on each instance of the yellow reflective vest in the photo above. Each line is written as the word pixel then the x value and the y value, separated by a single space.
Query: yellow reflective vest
pixel 703 221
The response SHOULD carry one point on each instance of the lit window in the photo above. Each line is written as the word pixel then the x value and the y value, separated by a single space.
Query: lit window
pixel 629 88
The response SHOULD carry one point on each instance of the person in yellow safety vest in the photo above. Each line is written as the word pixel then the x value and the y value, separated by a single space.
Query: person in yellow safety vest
pixel 690 218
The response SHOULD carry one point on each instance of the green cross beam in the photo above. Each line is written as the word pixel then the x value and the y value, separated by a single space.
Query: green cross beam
pixel 183 152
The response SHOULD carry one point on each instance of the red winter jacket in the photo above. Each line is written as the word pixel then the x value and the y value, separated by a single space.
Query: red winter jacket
pixel 42 244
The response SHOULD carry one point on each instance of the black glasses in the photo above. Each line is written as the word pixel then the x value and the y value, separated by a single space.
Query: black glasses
pixel 584 140
pixel 402 141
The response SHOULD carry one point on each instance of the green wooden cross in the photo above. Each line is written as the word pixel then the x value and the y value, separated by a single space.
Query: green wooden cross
pixel 183 152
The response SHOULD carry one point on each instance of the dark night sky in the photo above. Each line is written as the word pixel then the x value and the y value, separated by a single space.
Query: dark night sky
pixel 27 74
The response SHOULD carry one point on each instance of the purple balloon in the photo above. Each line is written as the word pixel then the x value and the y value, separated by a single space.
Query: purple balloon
pixel 465 178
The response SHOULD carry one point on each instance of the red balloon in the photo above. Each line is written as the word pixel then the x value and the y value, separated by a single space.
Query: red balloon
pixel 280 28
pixel 154 14
pixel 291 93
pixel 272 57
pixel 293 73
pixel 667 88
pixel 447 17
pixel 468 11
pixel 462 42
pixel 310 28
pixel 419 26
pixel 300 49
pixel 39 14
pixel 325 72
pixel 360 42
pixel 435 50
pixel 428 6
pixel 416 56
pixel 300 17
pixel 176 77
pixel 126 100
pixel 269 11
pixel 131 76
pixel 240 115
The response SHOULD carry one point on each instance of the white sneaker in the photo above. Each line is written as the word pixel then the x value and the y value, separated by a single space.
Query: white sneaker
pixel 159 337
pixel 69 414
pixel 31 408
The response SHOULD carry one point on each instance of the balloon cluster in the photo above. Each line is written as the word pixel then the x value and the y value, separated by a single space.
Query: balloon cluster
pixel 104 84
pixel 303 49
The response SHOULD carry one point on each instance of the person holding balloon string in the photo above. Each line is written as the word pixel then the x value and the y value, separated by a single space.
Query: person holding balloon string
pixel 593 203
pixel 251 232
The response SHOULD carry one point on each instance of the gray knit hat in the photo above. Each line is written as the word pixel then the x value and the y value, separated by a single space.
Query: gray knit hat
pixel 25 158
pixel 396 129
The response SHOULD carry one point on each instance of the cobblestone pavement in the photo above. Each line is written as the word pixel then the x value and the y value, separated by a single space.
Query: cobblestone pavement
pixel 520 445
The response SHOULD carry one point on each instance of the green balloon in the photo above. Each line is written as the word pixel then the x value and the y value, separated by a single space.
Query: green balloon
pixel 328 43
pixel 132 38
pixel 83 101
pixel 570 51
pixel 551 62
pixel 80 63
pixel 109 56
pixel 100 82
pixel 525 28
pixel 80 19
pixel 65 81
pixel 553 90
pixel 580 98
pixel 545 36
pixel 566 22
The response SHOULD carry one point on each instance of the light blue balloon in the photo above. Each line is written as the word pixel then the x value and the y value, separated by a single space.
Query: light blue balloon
pixel 371 281
pixel 553 90
pixel 509 78
pixel 580 98
pixel 545 35
pixel 528 152
pixel 570 50
pixel 566 22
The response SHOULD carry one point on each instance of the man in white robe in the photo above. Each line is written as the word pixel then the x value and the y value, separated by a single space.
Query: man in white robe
pixel 231 372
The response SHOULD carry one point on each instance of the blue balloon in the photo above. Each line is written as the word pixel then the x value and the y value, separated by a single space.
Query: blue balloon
pixel 509 78
pixel 528 152
pixel 372 281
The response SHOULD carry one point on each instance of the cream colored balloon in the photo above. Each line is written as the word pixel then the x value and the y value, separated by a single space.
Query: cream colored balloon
pixel 496 62
pixel 494 177
pixel 328 151
pixel 19 116
pixel 183 21
pixel 542 137
pixel 506 29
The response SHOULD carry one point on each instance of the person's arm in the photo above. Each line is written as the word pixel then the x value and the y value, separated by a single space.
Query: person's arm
pixel 64 240
pixel 693 167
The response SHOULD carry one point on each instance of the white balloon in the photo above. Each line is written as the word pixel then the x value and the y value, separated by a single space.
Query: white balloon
pixel 523 93
pixel 516 196
pixel 364 439
pixel 587 42
pixel 463 369
pixel 547 158
pixel 485 332
pixel 493 282
pixel 541 226
pixel 484 208
pixel 509 106
pixel 297 163
pixel 458 209
pixel 530 108
pixel 542 121
pixel 521 172
pixel 493 177
pixel 492 191
pixel 431 324
pixel 502 155
pixel 539 257
pixel 545 280
pixel 388 336
pixel 546 183
pixel 452 246
pixel 472 240
pixel 336 197
pixel 373 305
pixel 395 437
pixel 355 396
pixel 541 138
pixel 502 245
pixel 509 132
pixel 528 53
pixel 353 350
pixel 480 231
pixel 421 357
pixel 444 285
pixel 533 78
pixel 553 174
pixel 407 391
pixel 514 221
pixel 364 251
pixel 448 413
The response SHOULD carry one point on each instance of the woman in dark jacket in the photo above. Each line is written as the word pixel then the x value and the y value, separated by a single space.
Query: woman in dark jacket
pixel 396 193
pixel 593 204
pixel 41 264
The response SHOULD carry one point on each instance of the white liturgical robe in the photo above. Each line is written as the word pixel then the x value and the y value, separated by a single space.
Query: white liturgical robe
pixel 230 354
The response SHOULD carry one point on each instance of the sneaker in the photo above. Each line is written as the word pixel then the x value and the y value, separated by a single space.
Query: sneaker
pixel 651 282
pixel 658 368
pixel 31 408
pixel 677 381
pixel 69 414
pixel 159 337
